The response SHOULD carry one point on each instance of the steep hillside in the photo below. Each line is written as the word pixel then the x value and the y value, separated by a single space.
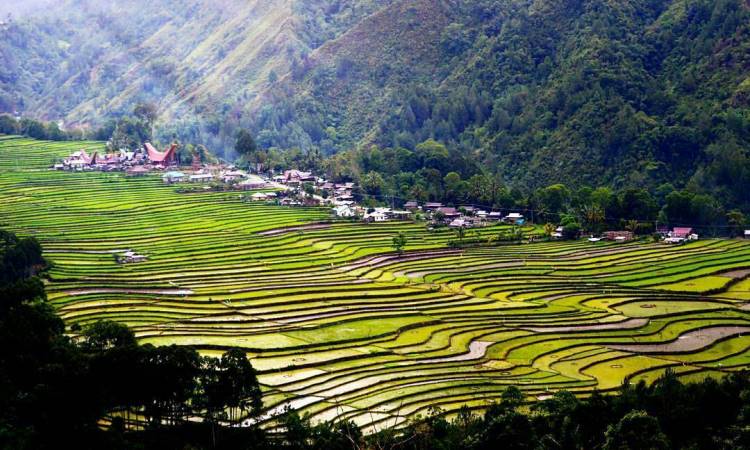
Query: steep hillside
pixel 624 93
pixel 199 61
pixel 632 93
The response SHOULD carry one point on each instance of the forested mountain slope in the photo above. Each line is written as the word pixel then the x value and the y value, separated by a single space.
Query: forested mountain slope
pixel 627 93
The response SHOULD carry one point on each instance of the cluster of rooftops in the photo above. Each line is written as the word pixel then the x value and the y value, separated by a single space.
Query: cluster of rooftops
pixel 141 160
pixel 455 217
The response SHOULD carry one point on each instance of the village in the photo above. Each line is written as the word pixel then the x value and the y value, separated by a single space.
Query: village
pixel 299 188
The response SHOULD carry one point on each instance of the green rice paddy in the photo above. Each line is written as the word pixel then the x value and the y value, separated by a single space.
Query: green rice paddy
pixel 340 326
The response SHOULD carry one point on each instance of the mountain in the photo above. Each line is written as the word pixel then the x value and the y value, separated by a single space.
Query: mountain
pixel 622 93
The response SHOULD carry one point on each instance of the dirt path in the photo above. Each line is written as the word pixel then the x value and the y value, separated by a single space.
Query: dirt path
pixel 438 270
pixel 280 231
pixel 384 260
pixel 624 325
pixel 688 342
pixel 477 350
pixel 129 291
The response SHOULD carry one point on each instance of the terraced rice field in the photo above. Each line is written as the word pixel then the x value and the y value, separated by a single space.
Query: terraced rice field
pixel 341 327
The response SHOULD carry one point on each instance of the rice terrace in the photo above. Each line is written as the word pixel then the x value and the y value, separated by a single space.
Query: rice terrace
pixel 340 325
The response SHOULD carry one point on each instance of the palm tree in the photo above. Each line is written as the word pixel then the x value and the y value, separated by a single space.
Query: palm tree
pixel 460 233
pixel 549 228
pixel 632 225
pixel 593 216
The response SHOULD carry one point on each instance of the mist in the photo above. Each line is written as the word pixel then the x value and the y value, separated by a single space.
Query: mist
pixel 20 8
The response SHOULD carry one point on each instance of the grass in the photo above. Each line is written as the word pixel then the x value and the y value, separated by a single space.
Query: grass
pixel 334 314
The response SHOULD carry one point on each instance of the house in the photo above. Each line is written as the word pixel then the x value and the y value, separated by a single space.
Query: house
pixel 495 215
pixel 618 236
pixel 201 178
pixel 458 223
pixel 138 171
pixel 378 215
pixel 161 159
pixel 259 196
pixel 130 257
pixel 411 204
pixel 514 218
pixel 747 234
pixel 290 202
pixel 681 232
pixel 431 206
pixel 344 211
pixel 448 212
pixel 400 215
pixel 252 182
pixel 80 160
pixel 296 177
pixel 232 175
pixel 470 210
pixel 173 177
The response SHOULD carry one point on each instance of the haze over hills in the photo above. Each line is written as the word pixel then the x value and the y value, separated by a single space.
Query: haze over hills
pixel 634 92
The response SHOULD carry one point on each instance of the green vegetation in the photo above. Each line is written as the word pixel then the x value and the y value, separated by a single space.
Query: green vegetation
pixel 631 94
pixel 373 324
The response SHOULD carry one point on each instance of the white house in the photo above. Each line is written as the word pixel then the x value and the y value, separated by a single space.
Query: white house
pixel 173 177
pixel 201 178
pixel 379 215
pixel 458 223
pixel 513 218
pixel 343 211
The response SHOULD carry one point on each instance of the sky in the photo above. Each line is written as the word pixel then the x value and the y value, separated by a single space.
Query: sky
pixel 21 7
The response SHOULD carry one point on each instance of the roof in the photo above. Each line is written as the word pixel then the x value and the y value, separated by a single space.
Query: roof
pixel 447 210
pixel 173 174
pixel 515 216
pixel 682 231
pixel 156 156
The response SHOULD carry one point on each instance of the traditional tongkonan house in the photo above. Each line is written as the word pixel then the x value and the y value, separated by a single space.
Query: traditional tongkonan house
pixel 161 159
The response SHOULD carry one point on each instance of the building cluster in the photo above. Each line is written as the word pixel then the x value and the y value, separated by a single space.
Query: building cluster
pixel 135 162
pixel 465 216
pixel 678 235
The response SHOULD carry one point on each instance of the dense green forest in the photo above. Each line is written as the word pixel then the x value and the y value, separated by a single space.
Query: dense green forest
pixel 623 94
pixel 58 383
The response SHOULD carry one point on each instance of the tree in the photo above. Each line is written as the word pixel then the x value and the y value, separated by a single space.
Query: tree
pixel 105 335
pixel 512 397
pixel 593 216
pixel 736 220
pixel 8 124
pixel 399 242
pixel 460 233
pixel 244 143
pixel 632 225
pixel 553 199
pixel 239 383
pixel 373 183
pixel 636 430
pixel 549 228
